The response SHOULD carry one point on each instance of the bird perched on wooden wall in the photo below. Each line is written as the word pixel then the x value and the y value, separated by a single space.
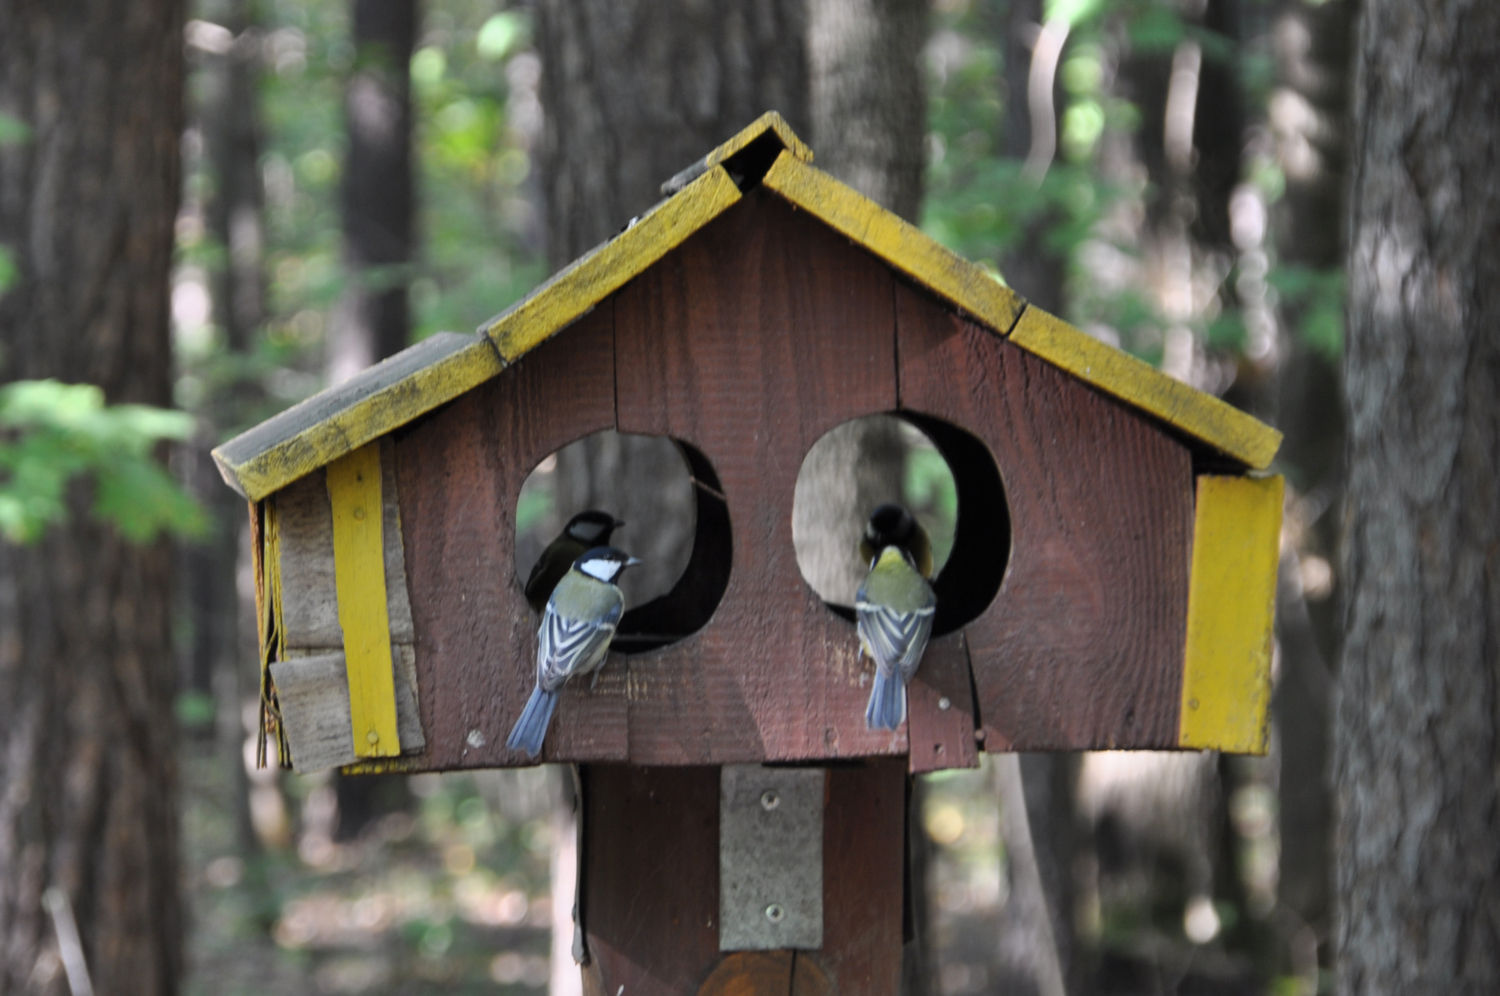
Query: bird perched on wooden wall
pixel 574 637
pixel 894 609
pixel 583 532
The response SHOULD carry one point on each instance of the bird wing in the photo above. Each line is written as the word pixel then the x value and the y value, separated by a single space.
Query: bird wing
pixel 894 638
pixel 567 646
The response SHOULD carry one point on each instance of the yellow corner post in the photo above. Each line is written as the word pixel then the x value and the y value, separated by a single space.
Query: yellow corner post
pixel 1226 681
pixel 359 577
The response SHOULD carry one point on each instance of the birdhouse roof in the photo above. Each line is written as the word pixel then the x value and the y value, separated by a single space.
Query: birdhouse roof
pixel 339 420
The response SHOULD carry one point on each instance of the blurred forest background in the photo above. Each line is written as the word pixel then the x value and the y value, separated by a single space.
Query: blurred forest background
pixel 359 174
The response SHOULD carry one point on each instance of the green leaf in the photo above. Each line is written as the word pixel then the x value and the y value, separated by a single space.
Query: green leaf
pixel 7 269
pixel 56 432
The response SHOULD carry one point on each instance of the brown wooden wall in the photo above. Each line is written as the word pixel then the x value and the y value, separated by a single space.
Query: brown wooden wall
pixel 750 341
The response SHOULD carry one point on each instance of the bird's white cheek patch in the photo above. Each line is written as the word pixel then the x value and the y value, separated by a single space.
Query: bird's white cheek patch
pixel 604 570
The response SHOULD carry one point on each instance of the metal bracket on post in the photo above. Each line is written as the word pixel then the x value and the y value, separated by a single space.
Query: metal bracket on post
pixel 770 858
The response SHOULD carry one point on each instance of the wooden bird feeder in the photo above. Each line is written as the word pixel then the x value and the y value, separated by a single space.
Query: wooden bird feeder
pixel 1111 584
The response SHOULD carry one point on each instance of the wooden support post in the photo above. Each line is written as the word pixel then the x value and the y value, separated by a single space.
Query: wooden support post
pixel 651 887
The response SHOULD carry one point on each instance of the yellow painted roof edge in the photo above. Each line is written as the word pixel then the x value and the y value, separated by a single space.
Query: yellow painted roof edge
pixel 976 291
pixel 577 288
pixel 1114 371
pixel 897 242
pixel 317 441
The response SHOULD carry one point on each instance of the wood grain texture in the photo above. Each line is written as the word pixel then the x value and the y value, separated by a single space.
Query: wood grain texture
pixel 651 881
pixel 864 863
pixel 941 737
pixel 309 602
pixel 651 877
pixel 1116 372
pixel 354 494
pixel 307 436
pixel 592 277
pixel 1083 646
pixel 459 472
pixel 899 243
pixel 750 341
pixel 313 690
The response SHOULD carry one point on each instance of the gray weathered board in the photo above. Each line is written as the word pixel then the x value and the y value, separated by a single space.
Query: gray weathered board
pixel 312 685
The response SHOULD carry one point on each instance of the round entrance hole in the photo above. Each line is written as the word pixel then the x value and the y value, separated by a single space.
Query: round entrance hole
pixel 668 497
pixel 944 476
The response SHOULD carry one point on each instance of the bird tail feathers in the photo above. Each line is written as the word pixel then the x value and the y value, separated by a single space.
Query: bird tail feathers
pixel 531 729
pixel 887 706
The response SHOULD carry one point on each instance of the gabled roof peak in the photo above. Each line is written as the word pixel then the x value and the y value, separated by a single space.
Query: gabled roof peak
pixel 767 153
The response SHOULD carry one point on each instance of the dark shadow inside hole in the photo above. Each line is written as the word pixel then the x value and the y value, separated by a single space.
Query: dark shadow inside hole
pixel 690 604
pixel 674 517
pixel 971 579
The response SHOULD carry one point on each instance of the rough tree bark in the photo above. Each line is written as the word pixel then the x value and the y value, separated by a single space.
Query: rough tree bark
pixel 87 773
pixel 371 321
pixel 1417 734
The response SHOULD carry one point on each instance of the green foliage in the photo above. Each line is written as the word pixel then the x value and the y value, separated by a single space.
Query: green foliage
pixel 54 433
pixel 1315 301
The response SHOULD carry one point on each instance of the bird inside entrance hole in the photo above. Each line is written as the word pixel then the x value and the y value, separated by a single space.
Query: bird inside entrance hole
pixel 583 532
pixel 893 609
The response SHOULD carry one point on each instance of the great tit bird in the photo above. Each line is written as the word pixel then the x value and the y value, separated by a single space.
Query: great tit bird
pixel 892 525
pixel 574 637
pixel 894 609
pixel 583 532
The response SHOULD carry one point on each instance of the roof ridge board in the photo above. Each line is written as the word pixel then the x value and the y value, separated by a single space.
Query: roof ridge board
pixel 340 419
pixel 770 122
pixel 574 290
pixel 973 290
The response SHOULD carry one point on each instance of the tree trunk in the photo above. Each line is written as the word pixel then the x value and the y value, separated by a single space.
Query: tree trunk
pixel 1416 745
pixel 371 321
pixel 634 91
pixel 87 773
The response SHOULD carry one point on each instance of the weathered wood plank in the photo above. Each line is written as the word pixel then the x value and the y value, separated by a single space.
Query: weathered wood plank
pixel 460 472
pixel 313 690
pixel 310 611
pixel 897 242
pixel 1226 685
pixel 750 341
pixel 359 574
pixel 940 709
pixel 864 849
pixel 651 877
pixel 588 280
pixel 1082 648
pixel 1116 372
pixel 309 435
pixel 972 290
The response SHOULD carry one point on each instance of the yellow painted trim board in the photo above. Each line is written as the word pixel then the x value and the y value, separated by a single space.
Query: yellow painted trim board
pixel 1116 372
pixel 769 121
pixel 359 577
pixel 575 290
pixel 1226 681
pixel 902 245
pixel 269 468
